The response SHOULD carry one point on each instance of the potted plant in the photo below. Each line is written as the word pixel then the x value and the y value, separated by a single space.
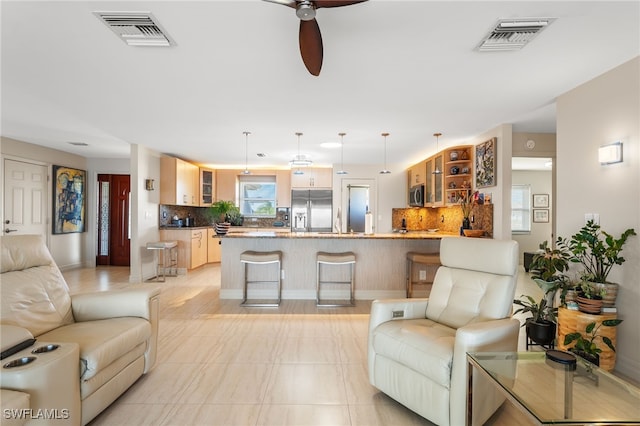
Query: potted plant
pixel 597 251
pixel 219 211
pixel 590 297
pixel 586 346
pixel 541 325
pixel 547 270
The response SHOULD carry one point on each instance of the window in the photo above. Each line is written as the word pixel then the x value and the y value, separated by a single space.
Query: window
pixel 520 209
pixel 258 196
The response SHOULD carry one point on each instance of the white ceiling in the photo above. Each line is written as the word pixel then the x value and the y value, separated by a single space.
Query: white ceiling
pixel 404 67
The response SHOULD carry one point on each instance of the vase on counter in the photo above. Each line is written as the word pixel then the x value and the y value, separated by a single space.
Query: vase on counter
pixel 222 228
pixel 466 224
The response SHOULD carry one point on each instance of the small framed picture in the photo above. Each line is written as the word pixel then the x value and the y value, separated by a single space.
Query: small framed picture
pixel 540 201
pixel 541 215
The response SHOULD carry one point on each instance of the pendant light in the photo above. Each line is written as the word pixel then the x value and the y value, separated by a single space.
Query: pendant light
pixel 437 171
pixel 300 160
pixel 385 171
pixel 341 171
pixel 246 153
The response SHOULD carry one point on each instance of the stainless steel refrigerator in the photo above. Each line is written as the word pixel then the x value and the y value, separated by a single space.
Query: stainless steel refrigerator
pixel 311 210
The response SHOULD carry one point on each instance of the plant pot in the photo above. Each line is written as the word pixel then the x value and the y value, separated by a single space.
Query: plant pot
pixel 590 306
pixel 222 228
pixel 611 293
pixel 542 333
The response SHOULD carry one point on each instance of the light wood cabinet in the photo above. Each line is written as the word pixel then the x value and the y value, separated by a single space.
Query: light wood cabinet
pixel 198 247
pixel 179 182
pixel 207 186
pixel 458 172
pixel 214 248
pixel 312 177
pixel 226 185
pixel 192 245
pixel 417 174
pixel 283 188
pixel 434 182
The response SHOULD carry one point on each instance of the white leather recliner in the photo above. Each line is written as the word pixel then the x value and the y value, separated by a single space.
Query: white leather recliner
pixel 417 347
pixel 89 348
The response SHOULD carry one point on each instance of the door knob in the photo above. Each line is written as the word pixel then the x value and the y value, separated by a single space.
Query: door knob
pixel 7 221
pixel 7 230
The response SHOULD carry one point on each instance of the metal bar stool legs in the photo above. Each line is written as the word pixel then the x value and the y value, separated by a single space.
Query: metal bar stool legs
pixel 261 258
pixel 347 258
pixel 430 260
pixel 166 257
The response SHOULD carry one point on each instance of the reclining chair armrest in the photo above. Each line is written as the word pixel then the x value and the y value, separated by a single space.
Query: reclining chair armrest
pixel 384 310
pixel 487 336
pixel 133 302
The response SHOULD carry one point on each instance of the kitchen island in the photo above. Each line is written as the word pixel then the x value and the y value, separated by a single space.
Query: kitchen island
pixel 380 270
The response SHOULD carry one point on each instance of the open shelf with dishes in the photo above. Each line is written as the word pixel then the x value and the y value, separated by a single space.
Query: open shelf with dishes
pixel 458 172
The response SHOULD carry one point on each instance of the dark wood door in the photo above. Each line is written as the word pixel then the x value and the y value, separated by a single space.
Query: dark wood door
pixel 114 239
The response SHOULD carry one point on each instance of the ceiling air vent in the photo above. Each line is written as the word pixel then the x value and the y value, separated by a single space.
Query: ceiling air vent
pixel 136 28
pixel 513 34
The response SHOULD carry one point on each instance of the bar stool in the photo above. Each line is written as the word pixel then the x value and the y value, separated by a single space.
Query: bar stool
pixel 429 260
pixel 167 251
pixel 260 258
pixel 347 258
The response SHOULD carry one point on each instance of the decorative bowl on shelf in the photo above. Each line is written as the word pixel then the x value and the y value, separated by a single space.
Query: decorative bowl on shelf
pixel 473 233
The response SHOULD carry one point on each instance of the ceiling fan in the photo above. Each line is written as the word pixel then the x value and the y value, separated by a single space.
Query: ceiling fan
pixel 310 38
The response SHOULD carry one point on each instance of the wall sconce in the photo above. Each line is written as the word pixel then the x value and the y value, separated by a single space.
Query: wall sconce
pixel 148 184
pixel 610 154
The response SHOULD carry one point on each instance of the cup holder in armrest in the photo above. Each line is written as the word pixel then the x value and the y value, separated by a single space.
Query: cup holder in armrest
pixel 19 362
pixel 46 348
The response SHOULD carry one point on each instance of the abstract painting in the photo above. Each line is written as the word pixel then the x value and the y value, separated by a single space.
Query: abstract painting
pixel 486 163
pixel 69 200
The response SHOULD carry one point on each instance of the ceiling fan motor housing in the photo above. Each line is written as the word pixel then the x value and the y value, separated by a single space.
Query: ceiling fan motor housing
pixel 305 10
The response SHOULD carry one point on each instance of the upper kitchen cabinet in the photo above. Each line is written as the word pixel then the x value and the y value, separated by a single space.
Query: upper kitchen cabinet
pixel 179 182
pixel 283 188
pixel 226 185
pixel 434 181
pixel 417 174
pixel 207 186
pixel 312 177
pixel 458 172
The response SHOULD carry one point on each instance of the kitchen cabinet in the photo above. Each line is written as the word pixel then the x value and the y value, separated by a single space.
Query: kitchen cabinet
pixel 417 174
pixel 226 185
pixel 283 188
pixel 207 186
pixel 192 246
pixel 458 172
pixel 433 189
pixel 312 177
pixel 179 182
pixel 214 246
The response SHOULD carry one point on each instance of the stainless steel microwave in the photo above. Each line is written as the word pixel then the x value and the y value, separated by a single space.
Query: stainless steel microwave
pixel 416 196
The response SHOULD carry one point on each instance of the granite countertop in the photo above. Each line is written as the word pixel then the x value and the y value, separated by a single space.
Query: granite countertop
pixel 182 228
pixel 348 235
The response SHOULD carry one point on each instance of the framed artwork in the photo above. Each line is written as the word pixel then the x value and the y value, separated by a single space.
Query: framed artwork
pixel 486 163
pixel 540 201
pixel 69 200
pixel 541 215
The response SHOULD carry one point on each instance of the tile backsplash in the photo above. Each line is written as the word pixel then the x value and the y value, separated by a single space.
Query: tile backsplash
pixel 202 217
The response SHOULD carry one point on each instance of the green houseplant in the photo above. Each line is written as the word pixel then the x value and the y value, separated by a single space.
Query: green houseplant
pixel 597 251
pixel 219 211
pixel 541 325
pixel 586 345
pixel 548 269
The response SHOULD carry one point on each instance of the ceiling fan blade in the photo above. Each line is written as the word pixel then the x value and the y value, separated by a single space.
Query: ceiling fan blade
pixel 335 3
pixel 311 46
pixel 290 3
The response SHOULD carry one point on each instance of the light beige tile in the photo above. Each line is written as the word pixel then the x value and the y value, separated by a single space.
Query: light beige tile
pixel 122 414
pixel 310 350
pixel 213 415
pixel 384 415
pixel 358 388
pixel 241 384
pixel 165 383
pixel 306 384
pixel 204 385
pixel 304 415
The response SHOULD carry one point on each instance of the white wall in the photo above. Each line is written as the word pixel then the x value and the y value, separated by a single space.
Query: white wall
pixel 145 164
pixel 540 183
pixel 601 111
pixel 68 250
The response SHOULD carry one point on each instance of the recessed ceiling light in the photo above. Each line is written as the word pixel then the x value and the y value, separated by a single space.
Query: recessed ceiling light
pixel 78 143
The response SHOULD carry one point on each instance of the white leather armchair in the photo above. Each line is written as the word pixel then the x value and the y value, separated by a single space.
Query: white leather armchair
pixel 417 347
pixel 89 347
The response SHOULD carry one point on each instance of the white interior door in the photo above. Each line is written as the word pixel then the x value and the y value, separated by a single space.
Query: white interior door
pixel 25 198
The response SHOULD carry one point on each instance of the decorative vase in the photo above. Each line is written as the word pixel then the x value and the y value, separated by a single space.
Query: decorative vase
pixel 222 228
pixel 610 293
pixel 466 224
pixel 453 155
pixel 464 155
pixel 590 306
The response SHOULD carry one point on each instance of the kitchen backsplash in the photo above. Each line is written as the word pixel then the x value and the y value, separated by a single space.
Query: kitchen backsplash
pixel 201 217
pixel 445 219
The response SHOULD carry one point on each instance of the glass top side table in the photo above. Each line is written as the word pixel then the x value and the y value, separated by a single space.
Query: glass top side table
pixel 552 392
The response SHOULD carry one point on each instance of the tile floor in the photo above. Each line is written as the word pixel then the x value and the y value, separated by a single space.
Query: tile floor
pixel 222 364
